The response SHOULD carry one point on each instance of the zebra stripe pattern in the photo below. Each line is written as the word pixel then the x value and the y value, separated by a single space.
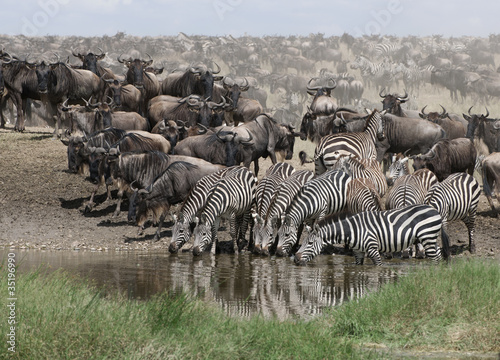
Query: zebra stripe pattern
pixel 282 199
pixel 320 197
pixel 267 188
pixel 181 231
pixel 374 232
pixel 231 197
pixel 364 168
pixel 360 144
pixel 362 196
pixel 456 198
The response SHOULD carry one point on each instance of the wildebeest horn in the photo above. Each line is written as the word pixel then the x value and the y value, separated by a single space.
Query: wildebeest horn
pixel 333 86
pixel 444 113
pixel 311 88
pixel 470 110
pixel 65 106
pixel 132 186
pixel 380 93
pixel 487 112
pixel 226 80
pixel 405 154
pixel 250 138
pixel 423 110
pixel 433 154
pixel 218 67
pixel 102 52
pixel 75 55
pixel 10 58
pixel 246 86
pixel 403 98
pixel 58 58
pixel 119 59
pixel 110 101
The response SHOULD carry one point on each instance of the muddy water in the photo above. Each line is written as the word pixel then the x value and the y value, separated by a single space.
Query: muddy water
pixel 242 285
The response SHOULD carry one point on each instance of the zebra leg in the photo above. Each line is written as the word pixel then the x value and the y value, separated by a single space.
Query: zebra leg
pixel 419 251
pixel 233 231
pixel 431 249
pixel 374 255
pixel 242 222
pixel 359 257
pixel 470 223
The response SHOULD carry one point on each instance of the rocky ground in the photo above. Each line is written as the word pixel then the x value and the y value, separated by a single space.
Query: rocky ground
pixel 42 205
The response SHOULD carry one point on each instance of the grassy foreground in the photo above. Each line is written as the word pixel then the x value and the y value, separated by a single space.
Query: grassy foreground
pixel 448 307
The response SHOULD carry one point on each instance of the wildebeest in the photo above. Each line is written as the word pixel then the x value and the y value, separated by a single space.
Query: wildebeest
pixel 188 111
pixel 322 103
pixel 19 79
pixel 247 110
pixel 392 102
pixel 146 82
pixel 484 132
pixel 268 137
pixel 198 80
pixel 58 82
pixel 126 120
pixel 221 147
pixel 491 178
pixel 90 62
pixel 126 97
pixel 169 130
pixel 454 129
pixel 171 187
pixel 447 157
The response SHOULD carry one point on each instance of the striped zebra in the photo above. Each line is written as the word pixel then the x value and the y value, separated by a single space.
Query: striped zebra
pixel 265 235
pixel 374 232
pixel 318 198
pixel 267 188
pixel 456 198
pixel 386 49
pixel 181 231
pixel 360 144
pixel 362 195
pixel 364 168
pixel 230 198
pixel 411 189
pixel 398 168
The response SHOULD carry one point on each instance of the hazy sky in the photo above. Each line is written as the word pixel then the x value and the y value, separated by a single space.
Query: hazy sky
pixel 255 17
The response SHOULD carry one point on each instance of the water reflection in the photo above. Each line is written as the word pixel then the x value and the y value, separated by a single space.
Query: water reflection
pixel 242 285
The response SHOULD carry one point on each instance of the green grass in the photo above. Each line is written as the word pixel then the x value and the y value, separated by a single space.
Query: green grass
pixel 449 307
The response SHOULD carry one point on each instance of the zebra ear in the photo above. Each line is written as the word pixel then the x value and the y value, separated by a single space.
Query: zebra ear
pixel 174 217
pixel 196 220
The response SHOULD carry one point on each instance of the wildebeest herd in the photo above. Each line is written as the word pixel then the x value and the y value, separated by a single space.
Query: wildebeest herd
pixel 189 138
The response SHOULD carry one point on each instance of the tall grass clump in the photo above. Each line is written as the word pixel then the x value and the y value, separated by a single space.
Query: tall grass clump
pixel 453 306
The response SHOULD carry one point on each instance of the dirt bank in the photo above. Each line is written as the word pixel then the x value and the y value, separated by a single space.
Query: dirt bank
pixel 42 205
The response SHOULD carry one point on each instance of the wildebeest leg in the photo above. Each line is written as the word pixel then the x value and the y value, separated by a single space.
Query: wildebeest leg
pixel 256 166
pixel 16 98
pixel 90 204
pixel 121 190
pixel 160 225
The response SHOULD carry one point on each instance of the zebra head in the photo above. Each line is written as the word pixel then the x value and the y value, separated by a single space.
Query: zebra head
pixel 287 236
pixel 268 233
pixel 181 232
pixel 397 169
pixel 202 235
pixel 311 247
pixel 257 232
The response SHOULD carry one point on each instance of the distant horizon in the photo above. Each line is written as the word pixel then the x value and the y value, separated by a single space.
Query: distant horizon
pixel 256 18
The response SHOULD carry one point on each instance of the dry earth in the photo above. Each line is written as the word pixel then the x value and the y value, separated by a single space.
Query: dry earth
pixel 41 204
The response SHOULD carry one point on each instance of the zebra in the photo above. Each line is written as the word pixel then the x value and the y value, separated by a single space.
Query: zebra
pixel 266 234
pixel 374 232
pixel 266 190
pixel 457 198
pixel 181 231
pixel 362 195
pixel 360 144
pixel 386 49
pixel 232 198
pixel 365 168
pixel 411 189
pixel 398 168
pixel 318 198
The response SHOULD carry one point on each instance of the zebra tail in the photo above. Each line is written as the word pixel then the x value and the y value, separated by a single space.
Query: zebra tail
pixel 445 250
pixel 303 158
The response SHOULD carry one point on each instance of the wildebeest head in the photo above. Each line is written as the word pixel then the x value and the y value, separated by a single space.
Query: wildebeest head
pixel 42 74
pixel 89 60
pixel 286 140
pixel 209 113
pixel 474 120
pixel 392 102
pixel 75 152
pixel 136 70
pixel 203 80
pixel 115 87
pixel 234 90
pixel 169 129
pixel 433 116
pixel 319 90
